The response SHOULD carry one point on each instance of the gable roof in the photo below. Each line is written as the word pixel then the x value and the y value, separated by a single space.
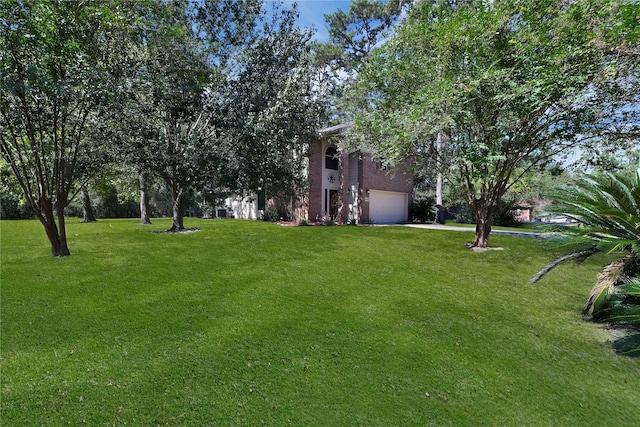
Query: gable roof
pixel 334 130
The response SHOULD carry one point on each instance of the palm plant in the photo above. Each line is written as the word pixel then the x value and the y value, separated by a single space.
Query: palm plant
pixel 607 209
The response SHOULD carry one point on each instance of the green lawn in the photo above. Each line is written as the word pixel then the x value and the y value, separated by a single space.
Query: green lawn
pixel 250 323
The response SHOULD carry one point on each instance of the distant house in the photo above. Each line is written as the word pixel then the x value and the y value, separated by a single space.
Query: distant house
pixel 344 186
pixel 522 213
pixel 534 210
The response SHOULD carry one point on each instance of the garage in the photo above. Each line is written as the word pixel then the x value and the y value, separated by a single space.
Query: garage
pixel 388 207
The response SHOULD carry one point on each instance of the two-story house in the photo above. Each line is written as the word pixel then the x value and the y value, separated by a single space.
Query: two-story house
pixel 344 186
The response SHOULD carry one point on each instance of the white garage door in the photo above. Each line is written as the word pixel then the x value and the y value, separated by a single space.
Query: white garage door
pixel 387 207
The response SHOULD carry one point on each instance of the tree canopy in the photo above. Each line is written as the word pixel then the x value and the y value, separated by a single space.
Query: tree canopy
pixel 266 109
pixel 353 35
pixel 204 94
pixel 511 84
pixel 58 64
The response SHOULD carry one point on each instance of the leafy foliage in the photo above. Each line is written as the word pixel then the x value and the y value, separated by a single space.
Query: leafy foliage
pixel 264 110
pixel 607 209
pixel 510 83
pixel 607 206
pixel 353 35
pixel 12 202
pixel 59 62
pixel 423 209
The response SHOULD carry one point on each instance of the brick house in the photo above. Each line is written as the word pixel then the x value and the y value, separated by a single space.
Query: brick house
pixel 344 186
pixel 352 186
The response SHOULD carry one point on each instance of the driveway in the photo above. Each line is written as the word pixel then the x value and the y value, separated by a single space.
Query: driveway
pixel 523 233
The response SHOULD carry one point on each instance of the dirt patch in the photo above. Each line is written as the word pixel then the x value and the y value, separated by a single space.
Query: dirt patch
pixel 477 249
pixel 486 249
pixel 184 231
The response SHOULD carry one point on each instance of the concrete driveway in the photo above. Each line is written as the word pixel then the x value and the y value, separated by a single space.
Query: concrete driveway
pixel 523 233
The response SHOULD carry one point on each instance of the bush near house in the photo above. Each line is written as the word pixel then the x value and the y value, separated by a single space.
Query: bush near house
pixel 423 209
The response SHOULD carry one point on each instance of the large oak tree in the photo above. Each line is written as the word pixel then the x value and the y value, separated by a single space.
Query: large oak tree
pixel 160 120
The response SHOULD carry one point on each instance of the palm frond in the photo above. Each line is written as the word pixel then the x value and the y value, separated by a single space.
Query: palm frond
pixel 578 255
pixel 619 314
pixel 623 194
pixel 607 210
pixel 630 291
pixel 627 294
pixel 607 207
pixel 611 275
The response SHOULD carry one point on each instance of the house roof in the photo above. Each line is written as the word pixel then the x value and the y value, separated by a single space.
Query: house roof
pixel 334 130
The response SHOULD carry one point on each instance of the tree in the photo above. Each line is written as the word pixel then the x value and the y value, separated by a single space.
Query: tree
pixel 176 141
pixel 59 59
pixel 87 208
pixel 159 119
pixel 220 103
pixel 510 83
pixel 266 109
pixel 353 35
pixel 145 210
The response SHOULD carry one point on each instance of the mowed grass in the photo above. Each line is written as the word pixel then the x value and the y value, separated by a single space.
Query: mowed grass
pixel 249 323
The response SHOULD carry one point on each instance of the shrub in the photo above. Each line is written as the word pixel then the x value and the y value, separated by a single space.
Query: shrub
pixel 607 209
pixel 460 213
pixel 329 222
pixel 271 215
pixel 423 210
pixel 11 206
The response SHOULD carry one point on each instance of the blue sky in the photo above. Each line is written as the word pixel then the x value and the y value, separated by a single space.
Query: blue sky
pixel 312 14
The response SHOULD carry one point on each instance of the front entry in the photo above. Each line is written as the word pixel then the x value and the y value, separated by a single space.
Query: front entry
pixel 333 203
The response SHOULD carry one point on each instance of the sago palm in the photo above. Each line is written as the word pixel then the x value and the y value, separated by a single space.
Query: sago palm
pixel 606 208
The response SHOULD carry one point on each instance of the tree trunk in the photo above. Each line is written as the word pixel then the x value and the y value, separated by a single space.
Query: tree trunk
pixel 87 209
pixel 58 240
pixel 484 219
pixel 439 207
pixel 63 249
pixel 144 202
pixel 178 211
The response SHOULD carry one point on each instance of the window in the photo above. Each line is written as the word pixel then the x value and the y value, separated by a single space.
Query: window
pixel 383 166
pixel 331 158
